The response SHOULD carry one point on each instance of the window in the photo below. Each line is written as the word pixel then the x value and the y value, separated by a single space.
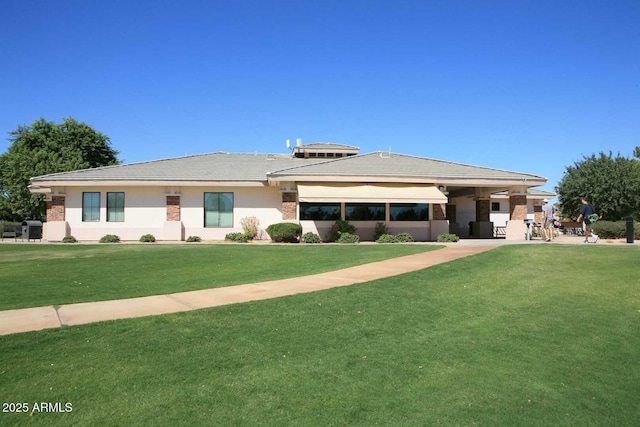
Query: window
pixel 218 210
pixel 91 207
pixel 320 211
pixel 495 206
pixel 365 212
pixel 115 207
pixel 409 211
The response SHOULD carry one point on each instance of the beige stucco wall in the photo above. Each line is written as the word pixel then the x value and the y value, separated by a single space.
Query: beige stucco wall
pixel 261 202
pixel 145 212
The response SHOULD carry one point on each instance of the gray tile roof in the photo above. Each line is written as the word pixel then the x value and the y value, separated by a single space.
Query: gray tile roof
pixel 258 167
pixel 203 167
pixel 384 164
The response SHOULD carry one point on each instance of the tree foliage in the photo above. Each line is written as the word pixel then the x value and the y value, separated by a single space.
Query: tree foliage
pixel 44 148
pixel 612 184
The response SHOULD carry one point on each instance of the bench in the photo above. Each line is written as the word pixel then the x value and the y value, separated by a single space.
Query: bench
pixel 9 232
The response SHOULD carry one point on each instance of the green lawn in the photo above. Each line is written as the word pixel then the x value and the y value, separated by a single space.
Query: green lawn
pixel 523 335
pixel 37 275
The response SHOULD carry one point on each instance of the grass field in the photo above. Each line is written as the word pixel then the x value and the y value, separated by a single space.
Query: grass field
pixel 523 335
pixel 37 275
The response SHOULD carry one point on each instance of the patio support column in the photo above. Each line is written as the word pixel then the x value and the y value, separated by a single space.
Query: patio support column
pixel 516 227
pixel 483 227
pixel 537 214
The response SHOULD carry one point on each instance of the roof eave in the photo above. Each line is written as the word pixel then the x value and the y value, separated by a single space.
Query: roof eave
pixel 145 183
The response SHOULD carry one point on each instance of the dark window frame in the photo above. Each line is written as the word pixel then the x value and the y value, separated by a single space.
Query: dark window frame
pixel 90 212
pixel 322 214
pixel 218 204
pixel 357 211
pixel 115 207
pixel 419 212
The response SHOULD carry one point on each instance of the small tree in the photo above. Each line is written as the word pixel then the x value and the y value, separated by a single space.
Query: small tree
pixel 612 184
pixel 44 148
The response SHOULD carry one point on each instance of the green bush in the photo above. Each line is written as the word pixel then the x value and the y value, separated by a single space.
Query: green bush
pixel 191 239
pixel 338 228
pixel 237 237
pixel 448 238
pixel 348 238
pixel 380 230
pixel 404 238
pixel 614 229
pixel 386 238
pixel 287 232
pixel 69 239
pixel 110 238
pixel 147 238
pixel 311 238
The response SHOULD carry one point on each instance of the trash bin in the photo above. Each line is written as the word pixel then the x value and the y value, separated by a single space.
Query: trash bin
pixel 629 229
pixel 31 230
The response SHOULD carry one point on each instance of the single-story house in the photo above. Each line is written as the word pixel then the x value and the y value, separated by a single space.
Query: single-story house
pixel 208 195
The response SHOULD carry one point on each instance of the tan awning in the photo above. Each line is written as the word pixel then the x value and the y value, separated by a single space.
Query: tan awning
pixel 369 193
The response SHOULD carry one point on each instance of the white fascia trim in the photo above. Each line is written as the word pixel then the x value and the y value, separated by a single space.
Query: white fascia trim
pixel 143 183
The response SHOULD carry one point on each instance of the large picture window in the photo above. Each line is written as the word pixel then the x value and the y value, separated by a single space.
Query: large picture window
pixel 218 210
pixel 115 207
pixel 409 212
pixel 90 207
pixel 320 211
pixel 364 212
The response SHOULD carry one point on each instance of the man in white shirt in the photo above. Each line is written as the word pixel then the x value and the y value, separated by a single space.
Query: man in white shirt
pixel 547 221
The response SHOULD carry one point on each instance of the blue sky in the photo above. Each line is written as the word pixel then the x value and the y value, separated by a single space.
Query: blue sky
pixel 529 86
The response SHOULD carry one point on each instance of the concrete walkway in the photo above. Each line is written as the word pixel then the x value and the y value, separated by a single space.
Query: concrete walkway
pixel 38 318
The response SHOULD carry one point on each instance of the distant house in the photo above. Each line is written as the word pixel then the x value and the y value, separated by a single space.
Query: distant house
pixel 208 195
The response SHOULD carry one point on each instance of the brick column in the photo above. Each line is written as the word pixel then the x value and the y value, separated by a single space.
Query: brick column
pixel 538 217
pixel 289 206
pixel 173 208
pixel 518 206
pixel 56 209
pixel 483 210
pixel 439 211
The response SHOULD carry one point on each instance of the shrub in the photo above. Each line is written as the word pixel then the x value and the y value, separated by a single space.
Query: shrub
pixel 448 238
pixel 311 238
pixel 237 237
pixel 380 230
pixel 338 228
pixel 386 238
pixel 147 238
pixel 348 238
pixel 69 239
pixel 110 238
pixel 250 225
pixel 287 232
pixel 404 238
pixel 191 239
pixel 614 229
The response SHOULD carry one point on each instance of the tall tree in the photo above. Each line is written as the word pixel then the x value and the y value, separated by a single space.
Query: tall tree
pixel 44 148
pixel 612 184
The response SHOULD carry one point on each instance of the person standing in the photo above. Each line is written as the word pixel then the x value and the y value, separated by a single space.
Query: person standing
pixel 547 221
pixel 585 211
